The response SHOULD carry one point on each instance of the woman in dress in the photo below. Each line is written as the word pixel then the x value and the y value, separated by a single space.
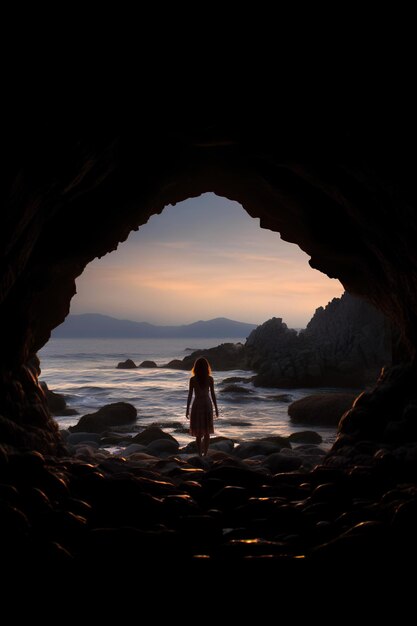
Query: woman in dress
pixel 201 419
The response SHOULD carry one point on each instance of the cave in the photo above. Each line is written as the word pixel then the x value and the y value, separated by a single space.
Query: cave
pixel 71 197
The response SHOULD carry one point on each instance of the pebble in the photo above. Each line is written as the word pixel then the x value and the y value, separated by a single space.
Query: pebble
pixel 170 507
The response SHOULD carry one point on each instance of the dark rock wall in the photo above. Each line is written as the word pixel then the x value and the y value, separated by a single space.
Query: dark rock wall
pixel 69 197
pixel 345 344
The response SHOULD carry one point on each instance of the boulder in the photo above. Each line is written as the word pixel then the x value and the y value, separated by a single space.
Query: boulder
pixel 150 434
pixel 305 436
pixel 163 446
pixel 127 365
pixel 279 440
pixel 56 402
pixel 82 437
pixel 148 364
pixel 278 463
pixel 133 448
pixel 226 356
pixel 324 409
pixel 249 449
pixel 112 415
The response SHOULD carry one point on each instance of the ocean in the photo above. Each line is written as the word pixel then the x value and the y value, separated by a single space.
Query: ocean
pixel 85 371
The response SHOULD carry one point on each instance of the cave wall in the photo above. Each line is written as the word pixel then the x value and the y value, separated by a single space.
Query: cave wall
pixel 69 197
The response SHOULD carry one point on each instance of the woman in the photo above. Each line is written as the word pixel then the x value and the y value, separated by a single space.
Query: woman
pixel 201 420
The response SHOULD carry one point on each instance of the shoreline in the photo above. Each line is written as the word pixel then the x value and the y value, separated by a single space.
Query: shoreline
pixel 298 451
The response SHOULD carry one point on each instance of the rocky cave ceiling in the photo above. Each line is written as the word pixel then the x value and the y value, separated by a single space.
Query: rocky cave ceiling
pixel 69 198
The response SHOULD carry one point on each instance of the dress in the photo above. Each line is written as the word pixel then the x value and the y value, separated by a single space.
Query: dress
pixel 201 418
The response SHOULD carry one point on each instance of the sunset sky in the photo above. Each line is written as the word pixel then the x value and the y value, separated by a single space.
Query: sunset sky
pixel 204 258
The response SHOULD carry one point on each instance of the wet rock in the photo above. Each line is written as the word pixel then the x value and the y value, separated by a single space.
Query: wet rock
pixel 237 475
pixel 114 439
pixel 111 415
pixel 56 402
pixel 226 445
pixel 226 356
pixel 127 365
pixel 236 389
pixel 278 462
pixel 236 379
pixel 305 436
pixel 133 448
pixel 229 497
pixel 149 364
pixel 282 397
pixel 83 437
pixel 279 440
pixel 321 409
pixel 253 448
pixel 163 446
pixel 150 434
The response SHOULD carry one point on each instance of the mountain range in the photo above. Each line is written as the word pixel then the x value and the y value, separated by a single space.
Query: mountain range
pixel 95 325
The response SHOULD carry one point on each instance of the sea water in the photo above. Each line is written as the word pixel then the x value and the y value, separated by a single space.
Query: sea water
pixel 85 371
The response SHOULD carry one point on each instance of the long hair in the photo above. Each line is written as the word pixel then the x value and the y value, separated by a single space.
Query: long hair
pixel 201 370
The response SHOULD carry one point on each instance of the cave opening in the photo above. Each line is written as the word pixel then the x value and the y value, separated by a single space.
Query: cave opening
pixel 204 259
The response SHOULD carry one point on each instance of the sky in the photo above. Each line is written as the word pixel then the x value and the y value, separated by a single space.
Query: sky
pixel 201 259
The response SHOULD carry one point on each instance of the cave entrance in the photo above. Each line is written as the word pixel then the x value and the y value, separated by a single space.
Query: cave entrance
pixel 203 259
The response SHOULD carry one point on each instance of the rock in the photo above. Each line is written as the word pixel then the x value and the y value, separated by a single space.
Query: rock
pixel 278 462
pixel 56 401
pixel 221 444
pixel 176 364
pixel 236 389
pixel 82 437
pixel 279 440
pixel 163 446
pixel 226 446
pixel 126 365
pixel 253 448
pixel 114 439
pixel 148 364
pixel 387 412
pixel 112 415
pixel 133 448
pixel 305 436
pixel 236 379
pixel 226 356
pixel 229 497
pixel 150 434
pixel 345 344
pixel 282 397
pixel 321 409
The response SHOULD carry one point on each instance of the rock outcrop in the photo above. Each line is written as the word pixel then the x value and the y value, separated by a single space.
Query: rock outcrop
pixel 227 356
pixel 127 365
pixel 345 344
pixel 323 409
pixel 108 417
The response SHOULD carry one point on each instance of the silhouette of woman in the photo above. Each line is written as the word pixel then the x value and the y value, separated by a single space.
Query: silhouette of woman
pixel 201 419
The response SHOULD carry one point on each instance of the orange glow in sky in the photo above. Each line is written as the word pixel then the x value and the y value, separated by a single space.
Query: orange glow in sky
pixel 204 258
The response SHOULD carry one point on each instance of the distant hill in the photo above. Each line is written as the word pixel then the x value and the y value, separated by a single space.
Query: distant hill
pixel 95 325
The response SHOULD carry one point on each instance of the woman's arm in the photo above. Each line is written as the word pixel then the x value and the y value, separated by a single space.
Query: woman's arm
pixel 213 396
pixel 190 395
